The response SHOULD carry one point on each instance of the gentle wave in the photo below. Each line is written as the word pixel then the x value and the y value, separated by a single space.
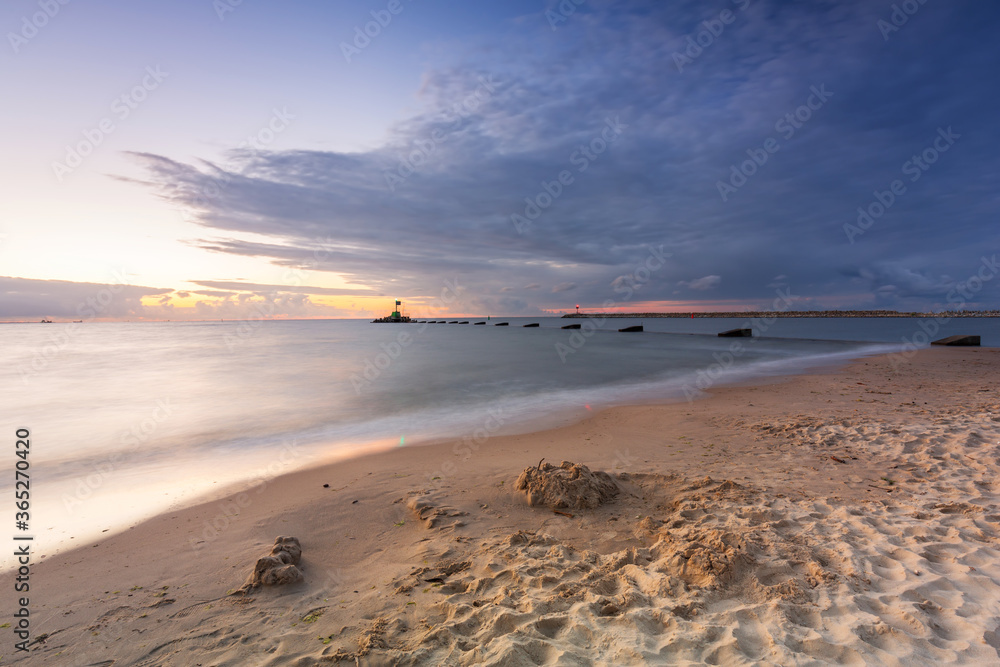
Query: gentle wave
pixel 130 420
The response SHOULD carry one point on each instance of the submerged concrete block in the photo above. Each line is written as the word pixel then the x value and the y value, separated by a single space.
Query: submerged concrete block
pixel 958 340
pixel 736 333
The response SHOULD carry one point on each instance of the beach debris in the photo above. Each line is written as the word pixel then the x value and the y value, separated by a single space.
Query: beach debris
pixel 838 460
pixel 277 568
pixel 561 513
pixel 568 485
pixel 313 615
pixel 429 509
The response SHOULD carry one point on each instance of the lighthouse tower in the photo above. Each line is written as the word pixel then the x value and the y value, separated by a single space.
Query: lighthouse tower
pixel 395 315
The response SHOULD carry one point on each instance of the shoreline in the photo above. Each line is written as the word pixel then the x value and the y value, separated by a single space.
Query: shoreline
pixel 513 420
pixel 360 540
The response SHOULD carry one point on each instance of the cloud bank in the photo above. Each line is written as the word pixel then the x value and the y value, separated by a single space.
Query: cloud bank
pixel 548 164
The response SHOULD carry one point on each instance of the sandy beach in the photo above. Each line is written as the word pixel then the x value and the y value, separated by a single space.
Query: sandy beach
pixel 845 517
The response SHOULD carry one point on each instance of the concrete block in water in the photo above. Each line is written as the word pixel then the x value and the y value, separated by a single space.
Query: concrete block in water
pixel 958 340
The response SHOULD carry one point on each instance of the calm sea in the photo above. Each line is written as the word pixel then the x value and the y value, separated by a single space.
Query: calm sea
pixel 131 419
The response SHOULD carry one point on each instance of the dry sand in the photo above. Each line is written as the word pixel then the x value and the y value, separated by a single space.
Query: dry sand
pixel 847 517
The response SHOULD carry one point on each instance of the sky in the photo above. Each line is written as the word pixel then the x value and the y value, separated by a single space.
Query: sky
pixel 205 159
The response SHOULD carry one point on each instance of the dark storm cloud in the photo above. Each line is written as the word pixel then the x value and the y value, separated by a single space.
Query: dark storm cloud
pixel 571 157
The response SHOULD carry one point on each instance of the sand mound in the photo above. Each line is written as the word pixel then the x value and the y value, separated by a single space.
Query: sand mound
pixel 569 485
pixel 277 568
pixel 429 509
